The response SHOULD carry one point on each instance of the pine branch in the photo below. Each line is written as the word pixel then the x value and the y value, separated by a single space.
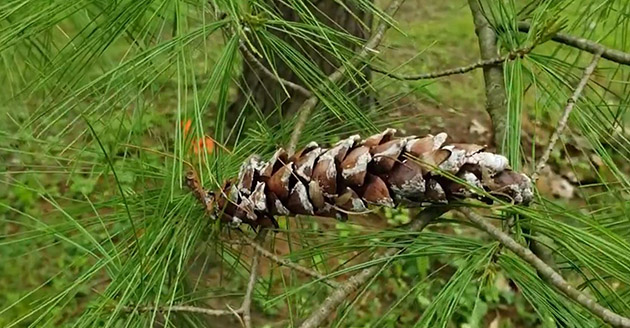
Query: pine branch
pixel 495 93
pixel 356 281
pixel 304 111
pixel 593 47
pixel 519 53
pixel 562 123
pixel 284 262
pixel 538 248
pixel 261 67
pixel 492 74
pixel 547 271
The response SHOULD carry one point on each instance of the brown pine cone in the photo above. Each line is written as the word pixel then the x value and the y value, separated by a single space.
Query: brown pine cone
pixel 380 170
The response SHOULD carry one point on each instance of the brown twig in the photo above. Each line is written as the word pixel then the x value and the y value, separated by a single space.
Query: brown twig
pixel 182 308
pixel 284 262
pixel 262 68
pixel 304 111
pixel 356 281
pixel 458 70
pixel 585 45
pixel 496 105
pixel 547 272
pixel 562 123
pixel 247 300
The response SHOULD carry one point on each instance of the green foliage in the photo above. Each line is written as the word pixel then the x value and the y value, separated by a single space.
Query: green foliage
pixel 96 225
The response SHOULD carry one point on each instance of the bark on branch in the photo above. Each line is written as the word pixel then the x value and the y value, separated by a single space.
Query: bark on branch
pixel 593 47
pixel 547 272
pixel 492 74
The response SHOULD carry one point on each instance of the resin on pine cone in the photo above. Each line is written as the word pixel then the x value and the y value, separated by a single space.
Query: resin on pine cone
pixel 351 175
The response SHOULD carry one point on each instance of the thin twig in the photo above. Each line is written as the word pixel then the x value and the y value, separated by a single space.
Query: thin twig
pixel 547 272
pixel 284 262
pixel 181 308
pixel 304 111
pixel 247 300
pixel 519 53
pixel 261 67
pixel 562 123
pixel 593 47
pixel 496 98
pixel 356 281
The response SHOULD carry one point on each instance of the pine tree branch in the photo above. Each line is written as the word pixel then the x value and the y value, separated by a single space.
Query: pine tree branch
pixel 356 281
pixel 304 111
pixel 495 92
pixel 593 47
pixel 542 251
pixel 284 262
pixel 262 68
pixel 519 53
pixel 496 98
pixel 562 123
pixel 547 271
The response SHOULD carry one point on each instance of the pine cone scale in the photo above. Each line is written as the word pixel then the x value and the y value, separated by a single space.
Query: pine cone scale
pixel 354 166
pixel 406 179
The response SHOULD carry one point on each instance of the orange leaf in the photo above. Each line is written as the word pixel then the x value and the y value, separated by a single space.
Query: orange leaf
pixel 199 145
pixel 186 126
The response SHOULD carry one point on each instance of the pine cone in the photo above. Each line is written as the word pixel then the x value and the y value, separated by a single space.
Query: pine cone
pixel 380 170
